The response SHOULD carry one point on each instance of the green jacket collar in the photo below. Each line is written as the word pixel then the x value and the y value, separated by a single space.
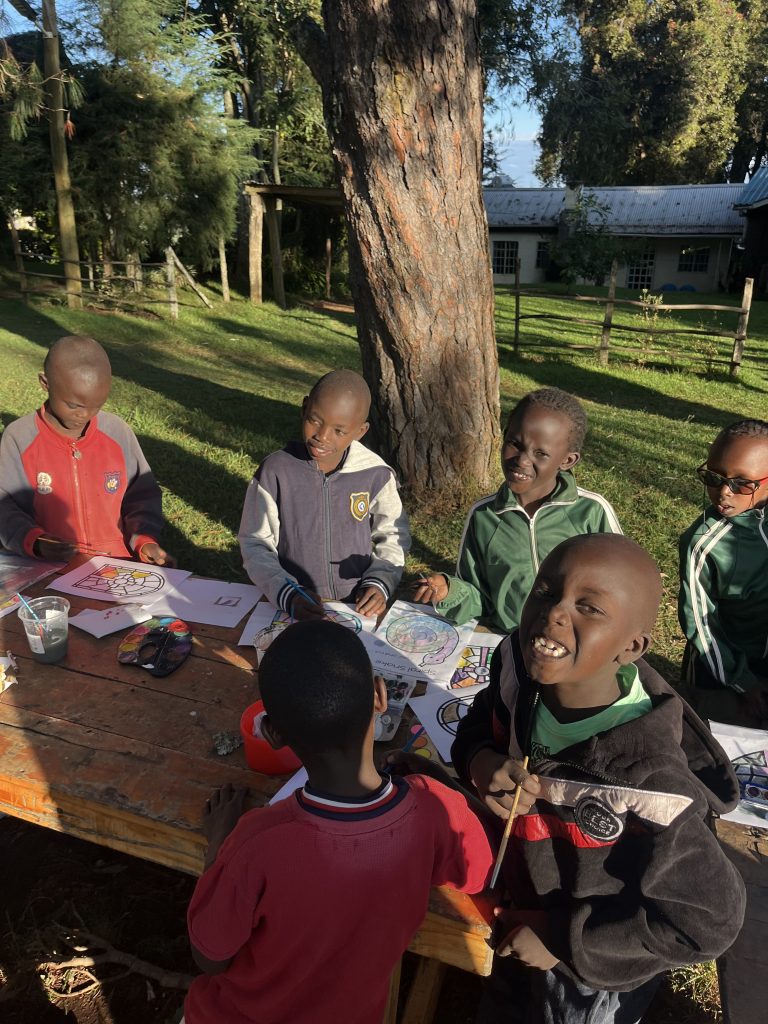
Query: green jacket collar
pixel 565 493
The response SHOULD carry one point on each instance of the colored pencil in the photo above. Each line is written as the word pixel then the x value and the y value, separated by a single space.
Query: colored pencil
pixel 413 738
pixel 301 591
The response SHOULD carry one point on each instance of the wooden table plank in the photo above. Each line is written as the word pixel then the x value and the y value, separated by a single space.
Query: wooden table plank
pixel 110 754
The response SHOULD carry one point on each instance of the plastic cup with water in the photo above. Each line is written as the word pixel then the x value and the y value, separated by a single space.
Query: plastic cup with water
pixel 47 629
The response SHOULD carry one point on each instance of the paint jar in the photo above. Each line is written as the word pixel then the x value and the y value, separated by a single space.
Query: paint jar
pixel 47 627
pixel 259 754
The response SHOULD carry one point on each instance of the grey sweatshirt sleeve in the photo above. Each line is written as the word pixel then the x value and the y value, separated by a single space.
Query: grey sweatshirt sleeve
pixel 259 536
pixel 17 522
pixel 390 539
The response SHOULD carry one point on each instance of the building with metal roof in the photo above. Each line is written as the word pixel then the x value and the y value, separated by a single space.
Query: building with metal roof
pixel 753 204
pixel 688 230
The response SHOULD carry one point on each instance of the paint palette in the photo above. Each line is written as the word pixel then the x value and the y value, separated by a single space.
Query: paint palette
pixel 159 645
pixel 398 692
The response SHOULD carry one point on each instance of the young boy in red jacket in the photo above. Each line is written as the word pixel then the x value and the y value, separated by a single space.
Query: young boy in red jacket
pixel 73 478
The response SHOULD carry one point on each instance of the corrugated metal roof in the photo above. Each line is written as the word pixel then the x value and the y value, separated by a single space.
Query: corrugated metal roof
pixel 631 209
pixel 755 191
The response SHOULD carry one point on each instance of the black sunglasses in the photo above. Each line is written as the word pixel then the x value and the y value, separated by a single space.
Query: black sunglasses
pixel 736 484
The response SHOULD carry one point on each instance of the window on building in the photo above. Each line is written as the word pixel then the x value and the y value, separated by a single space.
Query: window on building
pixel 542 255
pixel 504 256
pixel 640 271
pixel 694 261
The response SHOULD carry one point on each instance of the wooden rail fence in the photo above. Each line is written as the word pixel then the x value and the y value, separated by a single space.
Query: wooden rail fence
pixel 607 325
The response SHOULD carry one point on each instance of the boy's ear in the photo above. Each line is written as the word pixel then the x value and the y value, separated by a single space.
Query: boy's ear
pixel 304 401
pixel 43 381
pixel 379 695
pixel 570 460
pixel 363 430
pixel 270 734
pixel 635 649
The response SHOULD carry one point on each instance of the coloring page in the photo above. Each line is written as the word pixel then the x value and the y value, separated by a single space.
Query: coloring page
pixel 118 580
pixel 431 643
pixel 440 712
pixel 103 621
pixel 388 662
pixel 209 601
pixel 474 665
pixel 748 751
pixel 267 621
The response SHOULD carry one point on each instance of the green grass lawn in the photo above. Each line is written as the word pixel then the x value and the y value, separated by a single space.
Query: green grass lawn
pixel 212 394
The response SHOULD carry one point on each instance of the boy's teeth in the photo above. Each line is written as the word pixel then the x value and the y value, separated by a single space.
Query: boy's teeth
pixel 549 647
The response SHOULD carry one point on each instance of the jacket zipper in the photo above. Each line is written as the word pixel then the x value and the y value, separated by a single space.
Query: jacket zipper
pixel 603 776
pixel 83 532
pixel 327 535
pixel 761 531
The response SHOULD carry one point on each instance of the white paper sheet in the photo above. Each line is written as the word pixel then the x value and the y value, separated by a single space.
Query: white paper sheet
pixel 474 665
pixel 748 751
pixel 431 643
pixel 295 782
pixel 103 621
pixel 118 580
pixel 209 601
pixel 440 712
pixel 266 621
pixel 18 572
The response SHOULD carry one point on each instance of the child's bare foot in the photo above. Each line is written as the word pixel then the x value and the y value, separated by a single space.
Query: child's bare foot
pixel 222 812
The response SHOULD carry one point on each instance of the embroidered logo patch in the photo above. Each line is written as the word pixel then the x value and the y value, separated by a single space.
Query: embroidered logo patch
pixel 359 505
pixel 596 820
pixel 112 482
pixel 44 483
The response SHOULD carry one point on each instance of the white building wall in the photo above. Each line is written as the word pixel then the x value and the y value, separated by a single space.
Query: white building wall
pixel 666 260
pixel 527 247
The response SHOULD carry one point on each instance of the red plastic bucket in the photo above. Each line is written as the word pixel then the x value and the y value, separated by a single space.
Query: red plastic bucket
pixel 259 754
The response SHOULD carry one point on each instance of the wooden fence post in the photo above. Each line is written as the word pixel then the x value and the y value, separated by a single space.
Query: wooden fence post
pixel 223 269
pixel 605 337
pixel 170 277
pixel 19 258
pixel 273 230
pixel 741 328
pixel 516 342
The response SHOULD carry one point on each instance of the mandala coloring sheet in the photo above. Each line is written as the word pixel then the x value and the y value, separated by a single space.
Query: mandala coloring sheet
pixel 431 643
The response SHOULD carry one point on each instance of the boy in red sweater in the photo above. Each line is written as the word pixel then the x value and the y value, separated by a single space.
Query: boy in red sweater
pixel 73 478
pixel 306 906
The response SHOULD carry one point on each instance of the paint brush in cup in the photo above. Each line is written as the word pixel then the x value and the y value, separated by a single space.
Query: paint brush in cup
pixel 32 612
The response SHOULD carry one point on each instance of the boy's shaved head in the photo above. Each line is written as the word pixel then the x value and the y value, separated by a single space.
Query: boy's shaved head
pixel 641 575
pixel 78 354
pixel 316 682
pixel 344 383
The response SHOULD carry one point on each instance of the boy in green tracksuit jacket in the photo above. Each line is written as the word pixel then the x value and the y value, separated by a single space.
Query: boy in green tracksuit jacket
pixel 507 535
pixel 723 601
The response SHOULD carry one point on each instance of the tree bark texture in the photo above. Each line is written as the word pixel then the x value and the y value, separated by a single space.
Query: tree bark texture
pixel 402 88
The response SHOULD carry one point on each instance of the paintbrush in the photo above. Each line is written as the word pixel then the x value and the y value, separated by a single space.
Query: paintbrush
pixel 83 549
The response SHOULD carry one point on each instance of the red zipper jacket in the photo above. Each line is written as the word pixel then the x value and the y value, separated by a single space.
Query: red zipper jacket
pixel 97 490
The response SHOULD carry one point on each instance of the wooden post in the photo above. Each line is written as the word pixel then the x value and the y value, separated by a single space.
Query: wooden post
pixel 223 269
pixel 70 251
pixel 605 337
pixel 273 230
pixel 741 329
pixel 189 279
pixel 516 342
pixel 424 993
pixel 170 278
pixel 328 259
pixel 255 242
pixel 19 258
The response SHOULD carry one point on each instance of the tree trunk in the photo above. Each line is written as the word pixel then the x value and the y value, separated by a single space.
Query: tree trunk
pixel 402 89
pixel 70 253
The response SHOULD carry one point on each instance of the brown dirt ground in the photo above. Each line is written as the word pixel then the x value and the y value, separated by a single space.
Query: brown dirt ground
pixel 51 883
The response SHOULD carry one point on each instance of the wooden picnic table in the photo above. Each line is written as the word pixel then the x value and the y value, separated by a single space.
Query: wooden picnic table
pixel 108 753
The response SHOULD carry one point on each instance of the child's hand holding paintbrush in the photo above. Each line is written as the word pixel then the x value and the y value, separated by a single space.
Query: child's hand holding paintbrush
pixel 430 589
pixel 52 549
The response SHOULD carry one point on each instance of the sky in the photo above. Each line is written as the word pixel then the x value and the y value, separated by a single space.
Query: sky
pixel 514 126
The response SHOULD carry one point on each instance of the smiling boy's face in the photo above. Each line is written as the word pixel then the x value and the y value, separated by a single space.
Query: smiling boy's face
pixel 587 615
pixel 537 445
pixel 330 421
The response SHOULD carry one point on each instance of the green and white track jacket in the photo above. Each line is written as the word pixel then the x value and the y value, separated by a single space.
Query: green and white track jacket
pixel 502 548
pixel 723 602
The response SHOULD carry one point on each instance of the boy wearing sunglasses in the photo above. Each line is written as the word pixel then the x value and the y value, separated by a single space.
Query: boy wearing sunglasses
pixel 723 602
